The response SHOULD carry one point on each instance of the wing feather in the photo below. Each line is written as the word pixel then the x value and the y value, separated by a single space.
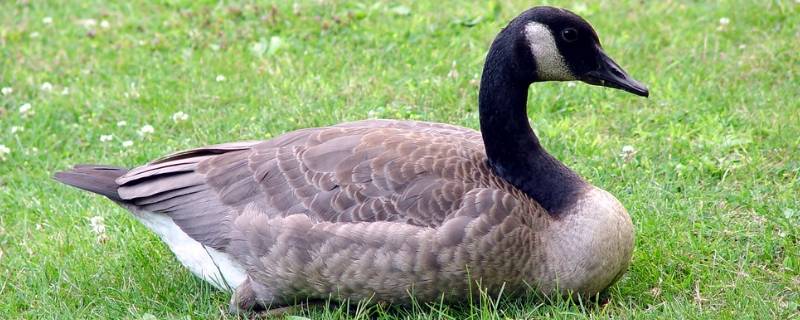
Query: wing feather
pixel 416 173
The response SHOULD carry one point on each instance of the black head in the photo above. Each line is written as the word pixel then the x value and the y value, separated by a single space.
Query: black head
pixel 563 47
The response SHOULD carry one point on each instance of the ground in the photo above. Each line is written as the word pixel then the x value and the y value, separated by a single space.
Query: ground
pixel 708 166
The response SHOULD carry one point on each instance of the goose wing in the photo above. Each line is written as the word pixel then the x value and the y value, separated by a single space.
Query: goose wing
pixel 416 173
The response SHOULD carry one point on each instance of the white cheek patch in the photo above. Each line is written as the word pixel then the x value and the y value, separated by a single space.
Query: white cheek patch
pixel 550 63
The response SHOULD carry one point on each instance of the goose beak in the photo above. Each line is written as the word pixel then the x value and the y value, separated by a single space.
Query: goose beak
pixel 610 74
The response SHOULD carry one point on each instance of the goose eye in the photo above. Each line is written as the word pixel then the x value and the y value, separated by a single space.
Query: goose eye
pixel 569 34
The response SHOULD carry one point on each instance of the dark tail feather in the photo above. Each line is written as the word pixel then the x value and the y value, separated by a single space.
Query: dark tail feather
pixel 94 178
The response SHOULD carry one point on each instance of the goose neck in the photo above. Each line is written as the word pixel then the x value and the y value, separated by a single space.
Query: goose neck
pixel 513 150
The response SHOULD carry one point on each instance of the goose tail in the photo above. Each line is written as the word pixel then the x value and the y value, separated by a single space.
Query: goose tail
pixel 99 179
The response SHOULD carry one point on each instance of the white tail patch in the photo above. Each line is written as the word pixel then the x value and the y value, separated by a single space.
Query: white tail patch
pixel 209 264
pixel 550 65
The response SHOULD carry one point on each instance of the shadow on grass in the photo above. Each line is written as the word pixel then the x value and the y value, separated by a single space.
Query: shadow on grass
pixel 479 306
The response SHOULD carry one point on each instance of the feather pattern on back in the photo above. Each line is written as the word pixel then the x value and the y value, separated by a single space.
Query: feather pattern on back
pixel 411 172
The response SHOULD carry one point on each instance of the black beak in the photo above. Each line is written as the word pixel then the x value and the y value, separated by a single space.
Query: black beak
pixel 609 74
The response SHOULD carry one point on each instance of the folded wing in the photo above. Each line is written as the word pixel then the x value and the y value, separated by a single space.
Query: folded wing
pixel 415 173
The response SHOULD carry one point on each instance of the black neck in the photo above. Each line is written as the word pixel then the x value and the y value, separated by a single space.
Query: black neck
pixel 513 150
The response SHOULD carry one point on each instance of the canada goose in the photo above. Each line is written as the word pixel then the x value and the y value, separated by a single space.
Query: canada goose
pixel 387 209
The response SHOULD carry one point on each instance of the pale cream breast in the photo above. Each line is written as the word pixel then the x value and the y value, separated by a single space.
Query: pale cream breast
pixel 590 246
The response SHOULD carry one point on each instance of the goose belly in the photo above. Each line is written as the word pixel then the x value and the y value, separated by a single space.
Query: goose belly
pixel 215 267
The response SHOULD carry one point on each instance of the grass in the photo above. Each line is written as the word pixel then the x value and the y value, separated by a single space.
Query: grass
pixel 712 186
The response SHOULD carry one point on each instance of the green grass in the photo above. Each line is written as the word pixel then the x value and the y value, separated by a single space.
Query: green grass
pixel 712 187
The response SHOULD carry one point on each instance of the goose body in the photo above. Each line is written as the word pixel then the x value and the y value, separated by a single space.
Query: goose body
pixel 394 210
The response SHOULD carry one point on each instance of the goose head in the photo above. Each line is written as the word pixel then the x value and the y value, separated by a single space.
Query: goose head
pixel 553 44
pixel 541 44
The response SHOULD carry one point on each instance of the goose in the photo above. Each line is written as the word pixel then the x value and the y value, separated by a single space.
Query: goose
pixel 392 210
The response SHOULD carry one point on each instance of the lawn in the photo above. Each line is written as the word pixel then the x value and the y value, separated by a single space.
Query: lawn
pixel 710 172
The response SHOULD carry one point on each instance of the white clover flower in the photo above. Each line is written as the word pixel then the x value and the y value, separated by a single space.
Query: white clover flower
pixel 16 129
pixel 4 151
pixel 104 24
pixel 180 116
pixel 724 21
pixel 25 108
pixel 97 223
pixel 34 34
pixel 146 129
pixel 122 123
pixel 627 153
pixel 106 138
pixel 88 23
pixel 220 78
pixel 47 20
pixel 7 90
pixel 127 144
pixel 628 149
pixel 99 228
pixel 65 91
pixel 47 86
